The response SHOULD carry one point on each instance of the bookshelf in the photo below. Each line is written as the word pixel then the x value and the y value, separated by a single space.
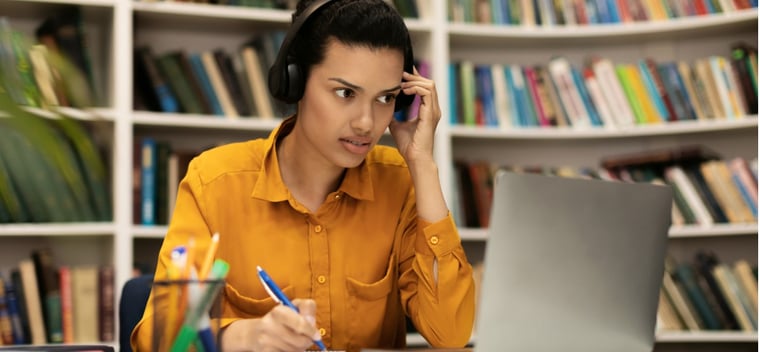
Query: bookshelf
pixel 116 27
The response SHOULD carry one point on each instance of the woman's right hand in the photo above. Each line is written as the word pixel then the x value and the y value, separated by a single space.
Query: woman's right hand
pixel 280 330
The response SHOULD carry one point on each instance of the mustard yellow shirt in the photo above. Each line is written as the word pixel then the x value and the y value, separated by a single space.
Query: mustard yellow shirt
pixel 364 256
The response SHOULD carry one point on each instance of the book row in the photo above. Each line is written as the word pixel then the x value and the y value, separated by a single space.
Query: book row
pixel 602 93
pixel 407 8
pixel 44 303
pixel 549 13
pixel 52 69
pixel 216 82
pixel 213 82
pixel 708 294
pixel 156 173
pixel 707 190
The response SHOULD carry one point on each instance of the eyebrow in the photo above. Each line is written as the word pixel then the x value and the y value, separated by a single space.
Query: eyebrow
pixel 355 87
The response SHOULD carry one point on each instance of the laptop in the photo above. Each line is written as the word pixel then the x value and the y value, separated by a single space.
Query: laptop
pixel 572 265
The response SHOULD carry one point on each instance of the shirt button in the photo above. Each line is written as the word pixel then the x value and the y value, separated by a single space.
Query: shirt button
pixel 434 240
pixel 318 228
pixel 322 332
pixel 321 279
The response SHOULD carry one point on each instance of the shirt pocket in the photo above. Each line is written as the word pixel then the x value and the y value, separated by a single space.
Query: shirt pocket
pixel 370 301
pixel 249 307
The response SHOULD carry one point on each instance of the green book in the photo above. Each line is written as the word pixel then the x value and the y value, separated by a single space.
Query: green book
pixel 179 84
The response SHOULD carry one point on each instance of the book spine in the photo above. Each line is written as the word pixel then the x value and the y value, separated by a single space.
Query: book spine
pixel 148 181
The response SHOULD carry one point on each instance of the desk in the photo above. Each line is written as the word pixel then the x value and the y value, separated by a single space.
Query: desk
pixel 420 350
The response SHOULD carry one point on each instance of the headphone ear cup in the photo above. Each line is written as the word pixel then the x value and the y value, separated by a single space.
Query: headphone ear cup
pixel 295 80
pixel 275 82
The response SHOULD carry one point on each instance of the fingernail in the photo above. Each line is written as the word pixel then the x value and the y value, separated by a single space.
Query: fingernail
pixel 311 320
pixel 317 336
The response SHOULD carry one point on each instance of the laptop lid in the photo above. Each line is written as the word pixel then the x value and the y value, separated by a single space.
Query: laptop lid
pixel 572 265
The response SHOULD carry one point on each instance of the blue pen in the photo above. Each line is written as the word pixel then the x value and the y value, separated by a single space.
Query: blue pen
pixel 279 297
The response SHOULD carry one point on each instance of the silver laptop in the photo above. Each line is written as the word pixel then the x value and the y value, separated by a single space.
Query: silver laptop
pixel 572 265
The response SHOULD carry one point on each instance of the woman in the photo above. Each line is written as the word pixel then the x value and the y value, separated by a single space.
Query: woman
pixel 357 234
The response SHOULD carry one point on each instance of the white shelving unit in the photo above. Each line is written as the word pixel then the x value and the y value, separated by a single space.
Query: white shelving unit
pixel 115 27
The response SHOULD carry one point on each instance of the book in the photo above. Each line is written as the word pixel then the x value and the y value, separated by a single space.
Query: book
pixel 684 274
pixel 150 83
pixel 32 301
pixel 205 83
pixel 258 85
pixel 180 84
pixel 734 297
pixel 50 293
pixel 148 165
pixel 67 304
pixel 217 82
pixel 106 303
pixel 21 329
pixel 229 76
pixel 748 282
pixel 704 264
pixel 84 290
pixel 6 327
pixel 681 303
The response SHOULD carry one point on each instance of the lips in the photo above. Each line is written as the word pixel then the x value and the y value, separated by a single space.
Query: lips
pixel 356 145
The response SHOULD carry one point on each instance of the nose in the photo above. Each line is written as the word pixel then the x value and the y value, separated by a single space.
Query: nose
pixel 363 122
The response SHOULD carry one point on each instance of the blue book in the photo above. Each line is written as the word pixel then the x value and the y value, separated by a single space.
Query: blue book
pixel 684 274
pixel 654 95
pixel 745 194
pixel 531 116
pixel 592 12
pixel 587 103
pixel 197 65
pixel 514 78
pixel 485 92
pixel 497 12
pixel 676 91
pixel 614 12
pixel 603 12
pixel 453 94
pixel 506 11
pixel 514 108
pixel 148 156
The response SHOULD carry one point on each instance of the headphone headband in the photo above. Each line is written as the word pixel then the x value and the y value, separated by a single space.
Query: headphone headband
pixel 286 79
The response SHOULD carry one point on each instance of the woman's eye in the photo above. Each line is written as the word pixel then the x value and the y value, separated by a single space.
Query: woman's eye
pixel 344 93
pixel 386 99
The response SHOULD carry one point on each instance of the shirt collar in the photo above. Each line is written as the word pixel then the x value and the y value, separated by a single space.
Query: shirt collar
pixel 269 186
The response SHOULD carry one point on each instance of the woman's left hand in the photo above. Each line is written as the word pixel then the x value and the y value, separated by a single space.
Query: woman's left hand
pixel 414 137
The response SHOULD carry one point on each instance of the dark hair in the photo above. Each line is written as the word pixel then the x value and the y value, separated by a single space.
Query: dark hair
pixel 369 23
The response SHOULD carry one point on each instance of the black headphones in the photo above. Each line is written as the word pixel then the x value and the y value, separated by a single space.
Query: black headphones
pixel 286 79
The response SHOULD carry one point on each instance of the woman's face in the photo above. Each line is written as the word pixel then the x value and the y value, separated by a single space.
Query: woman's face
pixel 349 101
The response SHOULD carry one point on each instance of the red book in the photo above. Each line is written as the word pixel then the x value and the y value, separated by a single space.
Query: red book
pixel 625 13
pixel 699 6
pixel 67 319
pixel 660 86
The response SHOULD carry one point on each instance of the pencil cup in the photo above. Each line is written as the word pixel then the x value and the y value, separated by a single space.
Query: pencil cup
pixel 184 313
